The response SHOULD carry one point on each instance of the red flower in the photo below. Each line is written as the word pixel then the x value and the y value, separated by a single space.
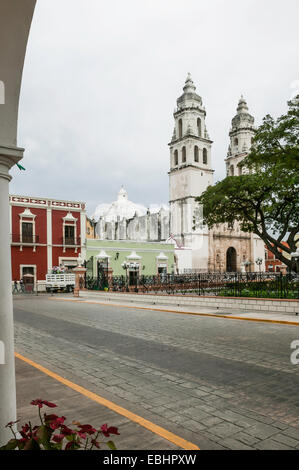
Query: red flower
pixel 107 431
pixel 50 417
pixel 11 423
pixel 58 437
pixel 95 443
pixel 87 428
pixel 25 428
pixel 54 421
pixel 66 431
pixel 39 402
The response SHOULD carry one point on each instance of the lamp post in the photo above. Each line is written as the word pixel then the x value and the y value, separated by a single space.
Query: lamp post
pixel 135 267
pixel 295 257
pixel 259 262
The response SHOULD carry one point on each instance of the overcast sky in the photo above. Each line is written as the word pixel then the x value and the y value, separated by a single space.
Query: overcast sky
pixel 101 81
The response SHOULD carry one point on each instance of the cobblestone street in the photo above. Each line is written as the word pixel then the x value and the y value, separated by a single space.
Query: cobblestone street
pixel 221 384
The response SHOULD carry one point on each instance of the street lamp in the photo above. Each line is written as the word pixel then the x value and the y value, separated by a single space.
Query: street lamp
pixel 295 257
pixel 259 262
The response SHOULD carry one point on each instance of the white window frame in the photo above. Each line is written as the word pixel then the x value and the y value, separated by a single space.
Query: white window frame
pixel 28 266
pixel 27 214
pixel 71 221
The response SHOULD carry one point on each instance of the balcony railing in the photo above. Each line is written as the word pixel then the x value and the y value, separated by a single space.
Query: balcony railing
pixel 24 239
pixel 71 241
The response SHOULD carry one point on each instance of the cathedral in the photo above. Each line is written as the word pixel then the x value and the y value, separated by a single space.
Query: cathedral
pixel 197 248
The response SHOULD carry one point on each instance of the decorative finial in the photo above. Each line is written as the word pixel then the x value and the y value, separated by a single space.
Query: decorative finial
pixel 189 85
pixel 242 105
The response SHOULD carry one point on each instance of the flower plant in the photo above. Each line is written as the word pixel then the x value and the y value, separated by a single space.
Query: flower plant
pixel 53 434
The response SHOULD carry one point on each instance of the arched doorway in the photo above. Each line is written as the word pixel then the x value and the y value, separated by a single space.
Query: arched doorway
pixel 231 260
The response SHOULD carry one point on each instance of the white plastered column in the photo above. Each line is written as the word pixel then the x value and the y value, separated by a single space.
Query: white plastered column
pixel 8 157
pixel 15 21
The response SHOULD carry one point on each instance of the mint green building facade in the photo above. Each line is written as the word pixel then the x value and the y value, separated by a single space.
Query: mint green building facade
pixel 150 257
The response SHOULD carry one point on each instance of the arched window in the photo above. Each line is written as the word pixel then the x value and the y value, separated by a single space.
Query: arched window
pixel 232 170
pixel 196 154
pixel 204 156
pixel 199 127
pixel 183 154
pixel 176 158
pixel 236 142
pixel 180 128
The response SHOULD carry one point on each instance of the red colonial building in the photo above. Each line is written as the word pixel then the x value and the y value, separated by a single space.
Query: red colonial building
pixel 45 233
pixel 272 263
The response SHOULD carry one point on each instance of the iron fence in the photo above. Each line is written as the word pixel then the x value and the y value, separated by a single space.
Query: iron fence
pixel 263 285
pixel 95 283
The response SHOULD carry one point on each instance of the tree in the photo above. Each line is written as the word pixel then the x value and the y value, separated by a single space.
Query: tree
pixel 264 199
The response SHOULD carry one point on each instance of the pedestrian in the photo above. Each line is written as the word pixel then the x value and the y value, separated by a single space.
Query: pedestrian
pixel 15 287
pixel 22 286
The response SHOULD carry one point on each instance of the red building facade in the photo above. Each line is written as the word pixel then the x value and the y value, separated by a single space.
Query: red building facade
pixel 272 263
pixel 45 233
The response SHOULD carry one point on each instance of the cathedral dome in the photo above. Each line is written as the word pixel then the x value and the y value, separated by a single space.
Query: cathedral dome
pixel 122 208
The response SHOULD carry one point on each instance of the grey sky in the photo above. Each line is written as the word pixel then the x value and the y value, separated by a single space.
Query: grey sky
pixel 101 81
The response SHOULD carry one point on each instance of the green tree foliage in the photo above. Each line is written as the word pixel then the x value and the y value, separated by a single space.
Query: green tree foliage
pixel 264 199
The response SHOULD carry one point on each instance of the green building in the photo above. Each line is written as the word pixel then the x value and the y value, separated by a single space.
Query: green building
pixel 129 257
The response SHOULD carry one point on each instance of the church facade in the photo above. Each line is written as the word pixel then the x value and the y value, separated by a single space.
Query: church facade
pixel 197 248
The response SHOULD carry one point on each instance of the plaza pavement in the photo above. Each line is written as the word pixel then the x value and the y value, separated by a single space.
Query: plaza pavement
pixel 218 383
pixel 33 383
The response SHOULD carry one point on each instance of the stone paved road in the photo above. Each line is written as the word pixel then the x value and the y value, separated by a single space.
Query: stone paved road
pixel 215 382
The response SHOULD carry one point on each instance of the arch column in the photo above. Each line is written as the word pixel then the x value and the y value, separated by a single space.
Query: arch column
pixel 15 21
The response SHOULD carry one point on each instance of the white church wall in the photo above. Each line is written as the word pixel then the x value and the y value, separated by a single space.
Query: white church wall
pixel 184 259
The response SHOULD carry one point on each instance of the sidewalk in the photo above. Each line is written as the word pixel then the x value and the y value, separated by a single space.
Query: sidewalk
pixel 33 383
pixel 233 313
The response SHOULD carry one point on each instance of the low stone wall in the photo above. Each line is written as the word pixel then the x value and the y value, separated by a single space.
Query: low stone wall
pixel 238 303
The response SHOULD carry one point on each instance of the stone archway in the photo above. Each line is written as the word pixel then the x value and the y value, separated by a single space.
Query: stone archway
pixel 231 259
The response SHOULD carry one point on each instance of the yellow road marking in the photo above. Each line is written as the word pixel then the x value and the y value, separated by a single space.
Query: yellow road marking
pixel 169 436
pixel 213 315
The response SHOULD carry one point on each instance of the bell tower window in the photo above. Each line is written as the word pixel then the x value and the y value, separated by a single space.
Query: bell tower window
pixel 199 127
pixel 180 128
pixel 184 155
pixel 196 154
pixel 204 156
pixel 176 158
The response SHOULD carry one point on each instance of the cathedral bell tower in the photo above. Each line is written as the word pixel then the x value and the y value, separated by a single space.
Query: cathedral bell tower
pixel 190 163
pixel 241 135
